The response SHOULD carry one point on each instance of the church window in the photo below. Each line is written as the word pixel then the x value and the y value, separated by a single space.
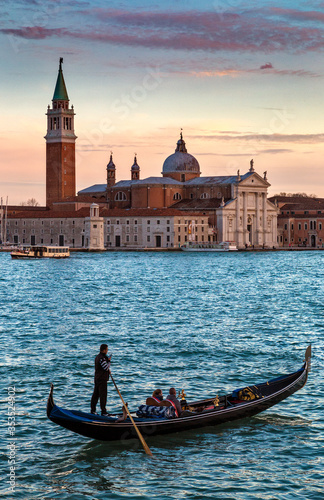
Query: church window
pixel 204 196
pixel 177 196
pixel 120 196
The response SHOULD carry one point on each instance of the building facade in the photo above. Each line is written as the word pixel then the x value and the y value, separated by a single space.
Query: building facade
pixel 300 221
pixel 99 228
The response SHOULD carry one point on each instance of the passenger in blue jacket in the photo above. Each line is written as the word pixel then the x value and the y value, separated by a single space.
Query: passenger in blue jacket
pixel 102 365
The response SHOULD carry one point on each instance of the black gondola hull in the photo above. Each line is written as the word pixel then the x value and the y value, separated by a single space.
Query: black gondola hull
pixel 108 429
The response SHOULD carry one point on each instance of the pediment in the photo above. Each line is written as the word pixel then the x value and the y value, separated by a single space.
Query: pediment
pixel 253 179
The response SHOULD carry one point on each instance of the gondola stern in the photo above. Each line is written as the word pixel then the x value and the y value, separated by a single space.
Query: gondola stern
pixel 50 401
pixel 308 357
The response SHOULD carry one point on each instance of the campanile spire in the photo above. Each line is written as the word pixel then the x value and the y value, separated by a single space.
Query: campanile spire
pixel 60 145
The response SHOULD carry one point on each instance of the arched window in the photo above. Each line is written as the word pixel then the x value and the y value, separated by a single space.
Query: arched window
pixel 177 196
pixel 204 196
pixel 120 196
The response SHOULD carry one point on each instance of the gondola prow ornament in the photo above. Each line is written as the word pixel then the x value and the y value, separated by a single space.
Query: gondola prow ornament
pixel 183 402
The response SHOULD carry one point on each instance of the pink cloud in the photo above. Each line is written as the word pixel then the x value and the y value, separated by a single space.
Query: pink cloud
pixel 191 30
pixel 32 32
pixel 266 66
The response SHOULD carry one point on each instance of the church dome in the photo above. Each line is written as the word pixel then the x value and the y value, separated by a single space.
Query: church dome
pixel 181 161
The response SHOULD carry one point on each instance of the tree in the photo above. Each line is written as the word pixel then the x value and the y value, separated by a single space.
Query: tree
pixel 31 202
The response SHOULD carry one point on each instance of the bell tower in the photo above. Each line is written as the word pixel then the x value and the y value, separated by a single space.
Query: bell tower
pixel 60 145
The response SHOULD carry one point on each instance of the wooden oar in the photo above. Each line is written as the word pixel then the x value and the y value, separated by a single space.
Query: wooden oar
pixel 142 440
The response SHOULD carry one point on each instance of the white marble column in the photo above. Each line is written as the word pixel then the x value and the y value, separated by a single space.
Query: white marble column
pixel 264 209
pixel 244 218
pixel 238 229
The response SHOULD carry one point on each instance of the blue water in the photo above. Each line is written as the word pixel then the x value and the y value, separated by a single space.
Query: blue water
pixel 207 323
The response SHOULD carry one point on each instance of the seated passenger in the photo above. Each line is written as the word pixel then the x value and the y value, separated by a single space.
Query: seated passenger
pixel 172 398
pixel 156 399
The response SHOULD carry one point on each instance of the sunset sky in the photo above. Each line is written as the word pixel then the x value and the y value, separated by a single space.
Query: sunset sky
pixel 243 79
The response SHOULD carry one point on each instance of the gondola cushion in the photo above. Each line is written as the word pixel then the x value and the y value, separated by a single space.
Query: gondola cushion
pixel 156 411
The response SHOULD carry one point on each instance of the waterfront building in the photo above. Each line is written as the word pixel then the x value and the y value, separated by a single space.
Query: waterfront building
pixel 100 228
pixel 220 208
pixel 300 221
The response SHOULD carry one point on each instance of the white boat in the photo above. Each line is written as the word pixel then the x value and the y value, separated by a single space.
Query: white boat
pixel 224 246
pixel 39 252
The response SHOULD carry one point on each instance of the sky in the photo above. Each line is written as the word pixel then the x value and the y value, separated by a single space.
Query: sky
pixel 242 79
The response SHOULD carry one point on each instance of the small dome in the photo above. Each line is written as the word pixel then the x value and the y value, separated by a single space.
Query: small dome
pixel 135 166
pixel 111 165
pixel 181 161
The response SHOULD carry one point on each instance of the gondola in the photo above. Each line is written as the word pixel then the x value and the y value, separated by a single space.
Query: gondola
pixel 241 403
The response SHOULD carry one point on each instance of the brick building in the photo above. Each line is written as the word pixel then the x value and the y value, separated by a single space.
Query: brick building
pixel 300 221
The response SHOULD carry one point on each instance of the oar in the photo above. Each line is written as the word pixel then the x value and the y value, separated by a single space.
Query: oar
pixel 142 440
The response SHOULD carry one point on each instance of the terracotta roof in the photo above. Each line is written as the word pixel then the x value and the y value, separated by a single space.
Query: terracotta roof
pixel 198 204
pixel 304 204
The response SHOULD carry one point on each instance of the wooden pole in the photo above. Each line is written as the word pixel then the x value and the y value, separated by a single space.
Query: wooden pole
pixel 142 440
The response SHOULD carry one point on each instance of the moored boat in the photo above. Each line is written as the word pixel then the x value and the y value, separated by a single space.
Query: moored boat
pixel 224 246
pixel 32 252
pixel 241 403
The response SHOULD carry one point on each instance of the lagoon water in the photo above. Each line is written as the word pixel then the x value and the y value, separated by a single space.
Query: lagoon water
pixel 207 323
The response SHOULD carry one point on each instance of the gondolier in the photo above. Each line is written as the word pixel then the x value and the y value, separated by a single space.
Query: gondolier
pixel 102 366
